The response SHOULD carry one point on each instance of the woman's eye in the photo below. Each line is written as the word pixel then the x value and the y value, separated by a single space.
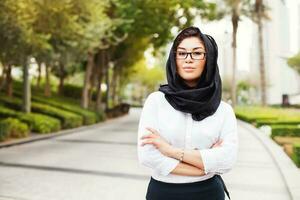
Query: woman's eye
pixel 197 53
pixel 182 53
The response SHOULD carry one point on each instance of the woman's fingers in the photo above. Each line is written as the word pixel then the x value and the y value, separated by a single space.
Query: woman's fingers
pixel 147 141
pixel 152 130
pixel 218 143
pixel 151 135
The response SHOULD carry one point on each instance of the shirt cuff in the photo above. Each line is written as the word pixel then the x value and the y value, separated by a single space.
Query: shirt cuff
pixel 168 165
pixel 208 160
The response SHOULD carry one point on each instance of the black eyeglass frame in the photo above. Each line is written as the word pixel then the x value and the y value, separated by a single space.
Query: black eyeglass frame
pixel 187 54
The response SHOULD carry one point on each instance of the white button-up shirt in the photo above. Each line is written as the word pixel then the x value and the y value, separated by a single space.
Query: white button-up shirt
pixel 181 131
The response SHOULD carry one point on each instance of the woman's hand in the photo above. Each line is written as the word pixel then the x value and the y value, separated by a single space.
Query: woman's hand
pixel 158 142
pixel 218 143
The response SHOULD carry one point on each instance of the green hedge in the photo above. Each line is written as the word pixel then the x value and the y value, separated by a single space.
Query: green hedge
pixel 37 122
pixel 285 130
pixel 68 119
pixel 259 123
pixel 14 128
pixel 71 105
pixel 41 123
pixel 73 91
pixel 268 115
pixel 89 117
pixel 296 152
pixel 5 112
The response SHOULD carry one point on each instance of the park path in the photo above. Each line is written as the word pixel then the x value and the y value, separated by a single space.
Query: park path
pixel 100 163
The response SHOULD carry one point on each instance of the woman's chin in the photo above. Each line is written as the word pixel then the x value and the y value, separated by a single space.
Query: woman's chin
pixel 190 78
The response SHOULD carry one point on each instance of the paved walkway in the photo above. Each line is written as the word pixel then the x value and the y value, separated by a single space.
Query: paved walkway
pixel 101 163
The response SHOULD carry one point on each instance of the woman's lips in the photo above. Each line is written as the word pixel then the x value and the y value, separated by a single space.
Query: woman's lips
pixel 188 69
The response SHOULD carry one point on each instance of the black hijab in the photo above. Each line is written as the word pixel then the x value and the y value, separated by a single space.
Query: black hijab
pixel 203 99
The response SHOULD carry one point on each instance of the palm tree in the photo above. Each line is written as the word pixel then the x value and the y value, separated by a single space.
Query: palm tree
pixel 233 8
pixel 259 13
pixel 235 17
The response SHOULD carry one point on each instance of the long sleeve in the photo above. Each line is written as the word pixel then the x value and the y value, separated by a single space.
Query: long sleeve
pixel 148 155
pixel 221 159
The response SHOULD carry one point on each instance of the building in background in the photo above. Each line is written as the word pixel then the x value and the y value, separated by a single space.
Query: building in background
pixel 281 40
pixel 281 79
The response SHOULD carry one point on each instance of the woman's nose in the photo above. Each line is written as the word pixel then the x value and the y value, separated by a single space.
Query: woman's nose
pixel 188 59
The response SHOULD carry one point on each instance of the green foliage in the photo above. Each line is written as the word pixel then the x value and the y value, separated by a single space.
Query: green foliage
pixel 18 40
pixel 286 121
pixel 267 115
pixel 295 62
pixel 68 103
pixel 72 91
pixel 61 33
pixel 243 88
pixel 155 75
pixel 89 117
pixel 41 123
pixel 14 128
pixel 296 150
pixel 68 119
pixel 149 23
pixel 5 112
pixel 285 130
pixel 36 122
pixel 244 85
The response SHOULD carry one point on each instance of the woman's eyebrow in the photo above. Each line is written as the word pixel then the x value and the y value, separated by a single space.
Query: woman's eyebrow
pixel 193 48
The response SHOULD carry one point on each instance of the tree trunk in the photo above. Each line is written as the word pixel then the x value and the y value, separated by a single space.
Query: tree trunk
pixel 259 7
pixel 92 80
pixel 61 79
pixel 86 85
pixel 100 64
pixel 47 91
pixel 9 86
pixel 26 88
pixel 38 82
pixel 3 77
pixel 113 84
pixel 107 82
pixel 234 21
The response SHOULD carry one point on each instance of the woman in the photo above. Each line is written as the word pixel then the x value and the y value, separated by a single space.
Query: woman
pixel 187 135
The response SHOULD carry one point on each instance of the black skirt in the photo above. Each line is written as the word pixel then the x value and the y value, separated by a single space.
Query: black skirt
pixel 210 189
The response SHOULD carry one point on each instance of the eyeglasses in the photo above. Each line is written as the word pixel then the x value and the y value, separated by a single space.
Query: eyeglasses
pixel 195 55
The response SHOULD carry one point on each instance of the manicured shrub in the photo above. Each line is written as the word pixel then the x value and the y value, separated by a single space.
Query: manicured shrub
pixel 277 122
pixel 118 110
pixel 68 119
pixel 259 116
pixel 14 128
pixel 6 112
pixel 296 150
pixel 89 117
pixel 101 116
pixel 285 130
pixel 4 134
pixel 37 122
pixel 70 105
pixel 41 123
pixel 72 91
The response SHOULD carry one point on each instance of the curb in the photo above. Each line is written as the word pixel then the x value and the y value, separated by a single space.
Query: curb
pixel 287 168
pixel 38 137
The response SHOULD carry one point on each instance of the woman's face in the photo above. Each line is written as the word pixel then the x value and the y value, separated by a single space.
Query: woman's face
pixel 188 68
